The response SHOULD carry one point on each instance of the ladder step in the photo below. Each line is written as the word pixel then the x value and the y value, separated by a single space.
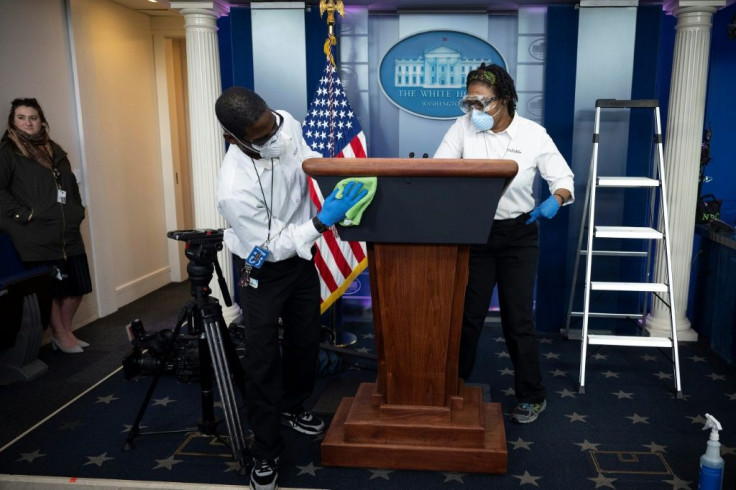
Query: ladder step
pixel 629 340
pixel 615 253
pixel 627 182
pixel 593 314
pixel 653 287
pixel 627 232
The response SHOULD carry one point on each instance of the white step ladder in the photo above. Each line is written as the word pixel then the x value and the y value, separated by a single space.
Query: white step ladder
pixel 656 230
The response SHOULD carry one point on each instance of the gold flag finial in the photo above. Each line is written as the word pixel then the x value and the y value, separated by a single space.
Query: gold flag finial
pixel 330 6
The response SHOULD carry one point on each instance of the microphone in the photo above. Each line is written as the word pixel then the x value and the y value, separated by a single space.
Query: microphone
pixel 411 154
pixel 425 156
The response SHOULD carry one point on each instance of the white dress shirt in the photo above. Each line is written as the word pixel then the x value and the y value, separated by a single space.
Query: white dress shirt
pixel 525 142
pixel 248 189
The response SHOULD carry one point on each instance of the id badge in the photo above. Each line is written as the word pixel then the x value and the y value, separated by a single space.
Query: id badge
pixel 257 257
pixel 61 196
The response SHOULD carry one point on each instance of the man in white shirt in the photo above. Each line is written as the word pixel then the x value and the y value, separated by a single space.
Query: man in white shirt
pixel 491 129
pixel 263 194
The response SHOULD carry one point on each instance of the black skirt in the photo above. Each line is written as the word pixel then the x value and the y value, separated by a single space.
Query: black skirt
pixel 72 278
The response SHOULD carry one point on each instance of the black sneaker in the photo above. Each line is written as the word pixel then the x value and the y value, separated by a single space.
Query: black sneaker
pixel 305 422
pixel 526 413
pixel 265 474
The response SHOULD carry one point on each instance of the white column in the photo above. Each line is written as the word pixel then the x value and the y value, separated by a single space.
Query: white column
pixel 683 139
pixel 207 144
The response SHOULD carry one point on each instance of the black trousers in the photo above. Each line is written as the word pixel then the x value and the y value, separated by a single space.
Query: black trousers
pixel 279 377
pixel 510 260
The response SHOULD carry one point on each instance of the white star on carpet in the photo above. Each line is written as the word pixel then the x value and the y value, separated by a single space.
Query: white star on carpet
pixel 638 419
pixel 71 425
pixel 576 417
pixel 683 395
pixel 106 399
pixel 310 469
pixel 698 419
pixel 509 392
pixel 656 448
pixel 716 377
pixel 552 355
pixel 623 394
pixel 649 357
pixel 232 466
pixel 98 460
pixel 587 445
pixel 663 375
pixel 527 478
pixel 505 371
pixel 380 474
pixel 697 358
pixel 544 340
pixel 503 353
pixel 678 484
pixel 599 357
pixel 731 396
pixel 162 401
pixel 30 457
pixel 458 477
pixel 364 350
pixel 167 463
pixel 566 393
pixel 558 372
pixel 521 444
pixel 500 339
pixel 126 428
pixel 602 481
pixel 369 336
pixel 610 374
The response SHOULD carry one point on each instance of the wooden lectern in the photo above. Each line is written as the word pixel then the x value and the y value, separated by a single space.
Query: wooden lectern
pixel 418 415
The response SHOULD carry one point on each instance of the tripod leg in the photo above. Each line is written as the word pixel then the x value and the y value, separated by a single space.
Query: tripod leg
pixel 207 424
pixel 212 321
pixel 136 428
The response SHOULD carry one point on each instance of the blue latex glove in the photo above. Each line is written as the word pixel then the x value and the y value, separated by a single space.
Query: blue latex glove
pixel 548 209
pixel 334 208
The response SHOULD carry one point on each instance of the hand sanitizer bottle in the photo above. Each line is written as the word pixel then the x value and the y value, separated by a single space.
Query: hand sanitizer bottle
pixel 711 463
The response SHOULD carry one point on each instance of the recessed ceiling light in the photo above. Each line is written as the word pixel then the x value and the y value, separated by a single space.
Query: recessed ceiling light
pixel 153 1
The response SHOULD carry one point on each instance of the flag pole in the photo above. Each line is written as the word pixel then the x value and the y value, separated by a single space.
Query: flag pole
pixel 330 6
pixel 337 340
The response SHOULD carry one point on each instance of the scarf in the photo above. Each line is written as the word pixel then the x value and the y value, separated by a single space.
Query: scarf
pixel 36 147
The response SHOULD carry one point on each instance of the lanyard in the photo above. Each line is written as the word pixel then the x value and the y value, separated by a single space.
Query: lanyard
pixel 269 210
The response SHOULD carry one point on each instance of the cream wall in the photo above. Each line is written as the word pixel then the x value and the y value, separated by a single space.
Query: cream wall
pixel 91 65
pixel 113 50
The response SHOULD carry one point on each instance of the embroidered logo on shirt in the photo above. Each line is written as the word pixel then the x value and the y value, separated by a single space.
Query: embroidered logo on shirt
pixel 514 150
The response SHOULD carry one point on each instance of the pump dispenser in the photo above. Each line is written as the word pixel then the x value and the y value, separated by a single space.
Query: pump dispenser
pixel 711 463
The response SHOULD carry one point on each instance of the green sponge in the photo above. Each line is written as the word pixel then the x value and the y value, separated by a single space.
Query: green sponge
pixel 354 214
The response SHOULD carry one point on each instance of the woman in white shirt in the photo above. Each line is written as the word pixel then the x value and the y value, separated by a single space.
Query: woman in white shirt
pixel 492 129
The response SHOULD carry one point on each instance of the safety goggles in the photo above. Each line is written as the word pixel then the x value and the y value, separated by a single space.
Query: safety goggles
pixel 265 140
pixel 470 102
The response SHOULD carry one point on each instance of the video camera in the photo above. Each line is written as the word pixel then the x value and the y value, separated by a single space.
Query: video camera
pixel 149 350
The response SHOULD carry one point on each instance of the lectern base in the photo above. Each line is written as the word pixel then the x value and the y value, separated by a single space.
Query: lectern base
pixel 421 442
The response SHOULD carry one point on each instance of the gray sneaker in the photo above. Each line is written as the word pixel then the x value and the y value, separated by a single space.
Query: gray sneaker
pixel 526 413
pixel 265 474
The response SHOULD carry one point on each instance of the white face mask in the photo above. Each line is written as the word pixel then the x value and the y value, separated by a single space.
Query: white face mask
pixel 272 148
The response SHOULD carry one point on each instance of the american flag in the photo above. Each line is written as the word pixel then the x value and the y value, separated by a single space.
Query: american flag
pixel 332 129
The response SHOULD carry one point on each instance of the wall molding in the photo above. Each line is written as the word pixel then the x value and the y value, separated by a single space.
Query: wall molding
pixel 137 288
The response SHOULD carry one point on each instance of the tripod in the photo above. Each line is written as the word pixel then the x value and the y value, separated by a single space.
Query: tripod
pixel 216 350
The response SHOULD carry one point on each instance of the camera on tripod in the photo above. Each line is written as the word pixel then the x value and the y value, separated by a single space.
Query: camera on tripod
pixel 149 353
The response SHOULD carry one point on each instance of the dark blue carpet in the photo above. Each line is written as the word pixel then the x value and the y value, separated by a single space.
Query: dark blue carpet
pixel 626 432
